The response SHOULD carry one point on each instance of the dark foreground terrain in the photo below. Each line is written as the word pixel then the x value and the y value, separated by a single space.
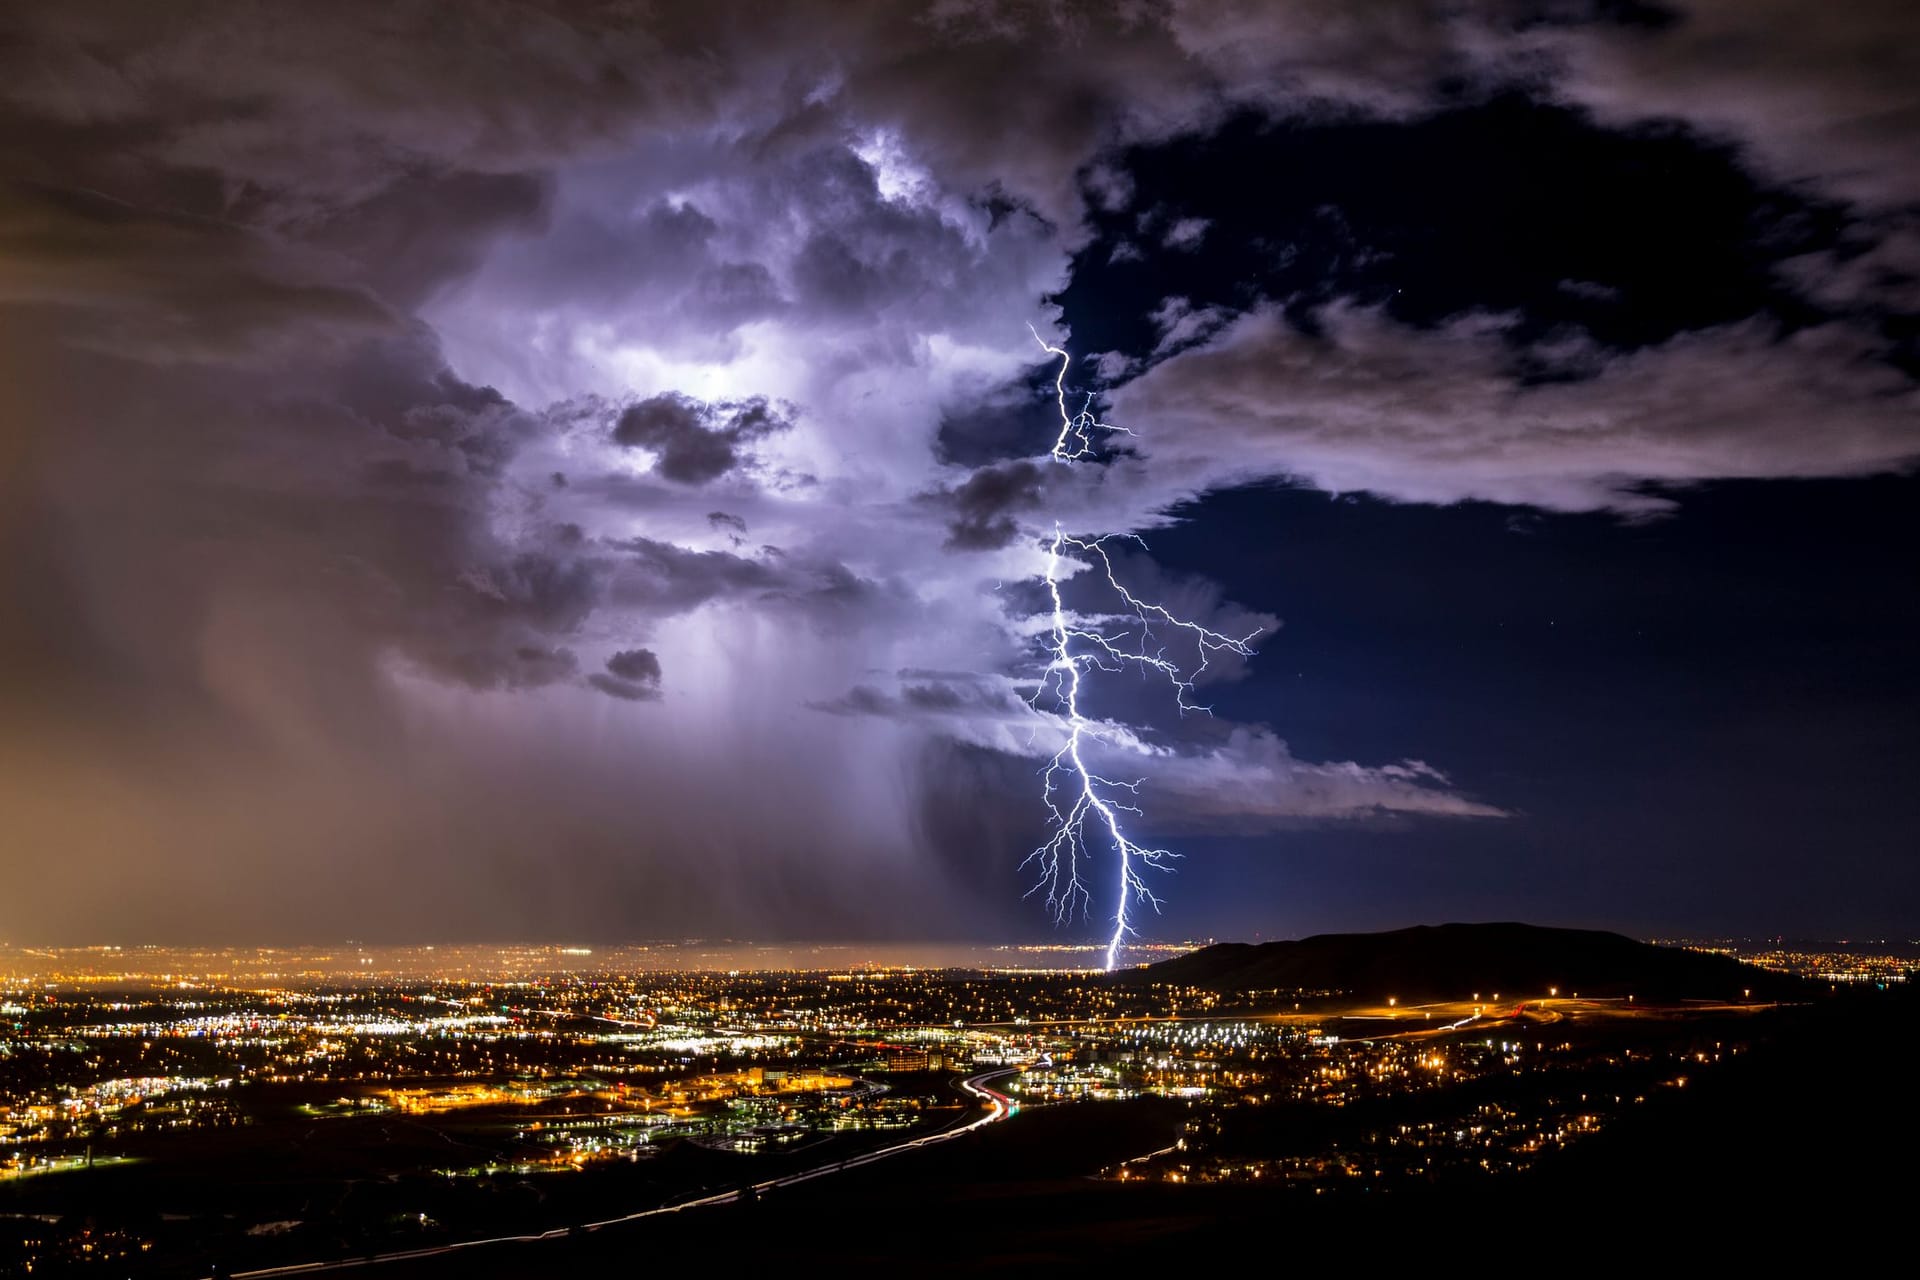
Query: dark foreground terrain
pixel 1444 961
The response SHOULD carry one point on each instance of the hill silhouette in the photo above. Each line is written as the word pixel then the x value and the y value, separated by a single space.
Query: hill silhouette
pixel 1456 961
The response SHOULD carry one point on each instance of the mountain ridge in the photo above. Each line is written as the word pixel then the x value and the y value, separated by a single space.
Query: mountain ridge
pixel 1467 960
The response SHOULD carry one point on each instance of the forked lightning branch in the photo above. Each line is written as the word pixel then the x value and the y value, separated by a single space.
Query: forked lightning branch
pixel 1087 810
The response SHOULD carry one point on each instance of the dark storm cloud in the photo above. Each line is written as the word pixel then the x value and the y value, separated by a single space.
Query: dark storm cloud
pixel 546 590
pixel 256 550
pixel 861 700
pixel 168 286
pixel 508 87
pixel 695 442
pixel 971 697
pixel 986 503
pixel 641 666
pixel 300 604
pixel 287 515
pixel 324 115
pixel 662 579
pixel 317 459
pixel 631 674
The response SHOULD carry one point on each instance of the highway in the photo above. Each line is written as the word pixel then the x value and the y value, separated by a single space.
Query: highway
pixel 999 1107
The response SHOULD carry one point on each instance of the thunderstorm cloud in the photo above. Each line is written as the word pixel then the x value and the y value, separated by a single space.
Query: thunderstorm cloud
pixel 390 391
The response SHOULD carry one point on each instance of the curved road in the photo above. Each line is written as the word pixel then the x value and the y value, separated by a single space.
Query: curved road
pixel 999 1108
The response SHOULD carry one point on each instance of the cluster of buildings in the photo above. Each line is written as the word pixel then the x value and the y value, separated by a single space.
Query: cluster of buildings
pixel 535 1069
pixel 1876 961
pixel 53 1114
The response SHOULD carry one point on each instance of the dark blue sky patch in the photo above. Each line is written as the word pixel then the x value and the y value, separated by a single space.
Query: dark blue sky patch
pixel 1512 206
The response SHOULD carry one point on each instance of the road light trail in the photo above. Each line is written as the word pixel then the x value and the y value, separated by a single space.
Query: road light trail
pixel 999 1108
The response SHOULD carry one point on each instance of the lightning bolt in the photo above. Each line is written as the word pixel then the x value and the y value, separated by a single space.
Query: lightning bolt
pixel 1084 808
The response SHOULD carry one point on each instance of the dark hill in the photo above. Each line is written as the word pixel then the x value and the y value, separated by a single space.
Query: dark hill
pixel 1454 961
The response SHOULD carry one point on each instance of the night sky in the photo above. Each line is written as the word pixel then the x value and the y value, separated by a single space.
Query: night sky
pixel 489 470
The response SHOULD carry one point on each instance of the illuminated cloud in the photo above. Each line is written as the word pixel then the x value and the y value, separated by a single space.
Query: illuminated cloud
pixel 1364 404
pixel 389 401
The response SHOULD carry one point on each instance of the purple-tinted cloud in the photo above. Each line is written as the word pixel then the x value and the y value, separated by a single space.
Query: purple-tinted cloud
pixel 380 388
